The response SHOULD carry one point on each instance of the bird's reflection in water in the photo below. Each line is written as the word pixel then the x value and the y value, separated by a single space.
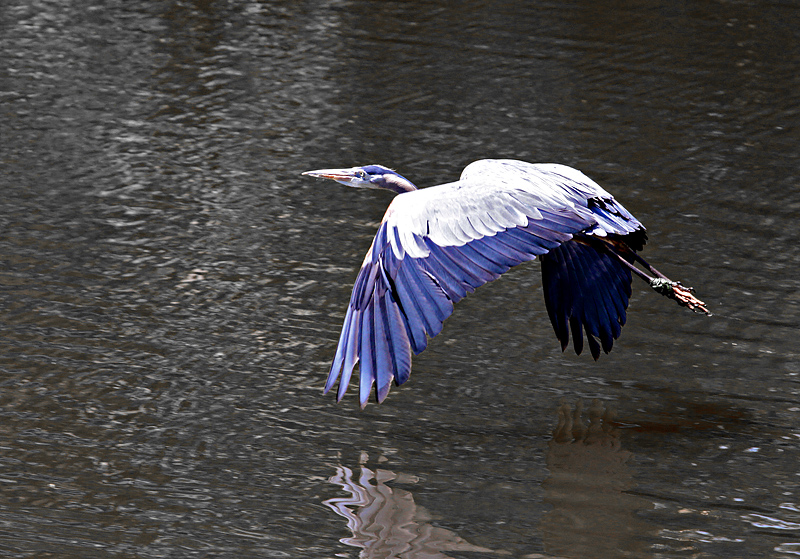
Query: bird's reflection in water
pixel 592 515
pixel 385 521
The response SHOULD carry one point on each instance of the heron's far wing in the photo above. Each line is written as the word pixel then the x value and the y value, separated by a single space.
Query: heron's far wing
pixel 433 247
pixel 586 290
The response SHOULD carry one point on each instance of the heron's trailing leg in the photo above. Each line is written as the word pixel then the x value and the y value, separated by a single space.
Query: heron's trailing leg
pixel 683 295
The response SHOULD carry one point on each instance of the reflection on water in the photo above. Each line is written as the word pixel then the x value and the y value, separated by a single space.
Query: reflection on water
pixel 592 514
pixel 386 522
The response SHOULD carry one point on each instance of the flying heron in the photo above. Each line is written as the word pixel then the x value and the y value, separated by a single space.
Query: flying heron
pixel 437 244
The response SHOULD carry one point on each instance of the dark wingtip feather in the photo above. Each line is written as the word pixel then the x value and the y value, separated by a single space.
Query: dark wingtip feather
pixel 606 340
pixel 594 347
pixel 577 334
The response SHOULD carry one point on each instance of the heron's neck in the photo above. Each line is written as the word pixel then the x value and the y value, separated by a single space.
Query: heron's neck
pixel 398 184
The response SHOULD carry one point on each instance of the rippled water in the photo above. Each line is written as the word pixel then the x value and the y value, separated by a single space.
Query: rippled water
pixel 171 289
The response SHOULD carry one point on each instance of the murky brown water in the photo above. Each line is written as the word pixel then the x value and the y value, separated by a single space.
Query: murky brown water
pixel 171 288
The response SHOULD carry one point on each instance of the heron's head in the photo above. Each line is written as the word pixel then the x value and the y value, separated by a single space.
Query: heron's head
pixel 369 176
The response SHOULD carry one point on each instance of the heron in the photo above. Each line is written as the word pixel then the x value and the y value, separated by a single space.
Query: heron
pixel 436 245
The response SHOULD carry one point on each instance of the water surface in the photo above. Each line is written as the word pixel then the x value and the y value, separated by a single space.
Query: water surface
pixel 172 289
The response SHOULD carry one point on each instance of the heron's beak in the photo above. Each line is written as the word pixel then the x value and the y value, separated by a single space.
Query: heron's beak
pixel 335 174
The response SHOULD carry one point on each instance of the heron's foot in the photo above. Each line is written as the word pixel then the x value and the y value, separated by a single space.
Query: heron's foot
pixel 680 293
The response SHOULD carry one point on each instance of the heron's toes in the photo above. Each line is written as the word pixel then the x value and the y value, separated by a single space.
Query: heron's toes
pixel 685 297
pixel 682 294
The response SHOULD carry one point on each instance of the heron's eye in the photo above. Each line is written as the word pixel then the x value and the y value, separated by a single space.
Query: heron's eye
pixel 361 174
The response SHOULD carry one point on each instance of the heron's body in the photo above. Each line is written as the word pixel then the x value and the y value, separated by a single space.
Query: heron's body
pixel 493 196
pixel 437 244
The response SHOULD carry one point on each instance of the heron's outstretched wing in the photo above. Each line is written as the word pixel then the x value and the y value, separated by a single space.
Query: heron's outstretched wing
pixel 437 244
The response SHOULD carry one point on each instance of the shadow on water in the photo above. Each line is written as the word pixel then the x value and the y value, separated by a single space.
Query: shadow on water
pixel 593 514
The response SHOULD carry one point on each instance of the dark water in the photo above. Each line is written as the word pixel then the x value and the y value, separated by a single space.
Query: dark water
pixel 172 289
